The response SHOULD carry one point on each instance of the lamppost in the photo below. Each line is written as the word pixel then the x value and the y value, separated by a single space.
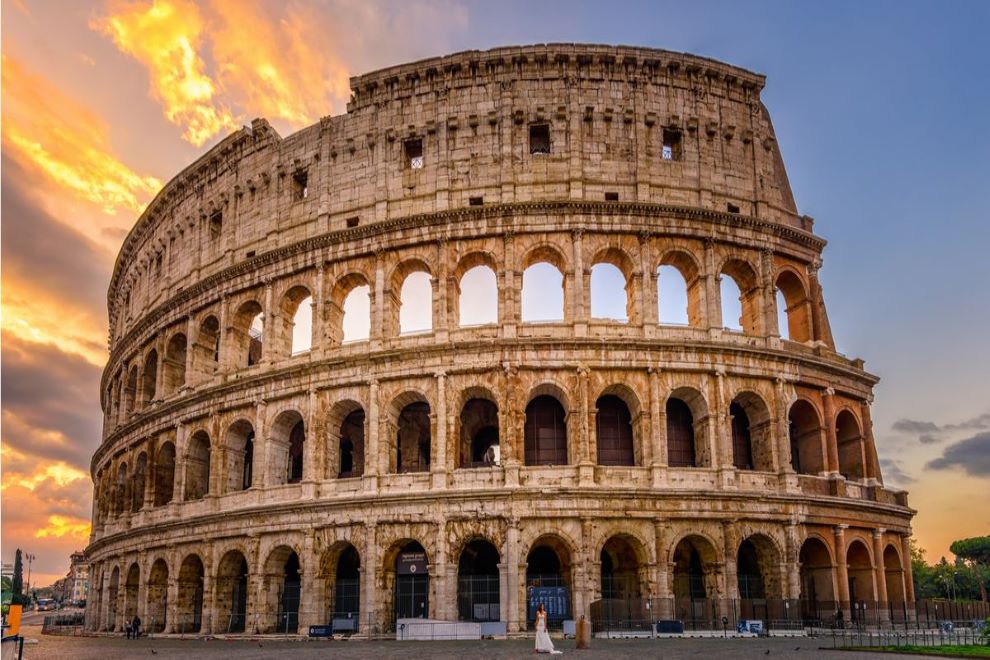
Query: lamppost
pixel 30 558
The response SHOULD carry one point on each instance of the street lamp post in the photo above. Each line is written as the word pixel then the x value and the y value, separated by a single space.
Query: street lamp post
pixel 30 558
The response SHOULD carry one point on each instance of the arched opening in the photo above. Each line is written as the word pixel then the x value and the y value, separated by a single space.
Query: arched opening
pixel 411 570
pixel 416 303
pixel 861 578
pixel 346 587
pixel 297 321
pixel 672 297
pixel 120 491
pixel 793 308
pixel 351 445
pixel 349 309
pixel 478 297
pixel 287 448
pixel 282 591
pixel 850 441
pixel 232 592
pixel 114 589
pixel 752 441
pixel 149 378
pixel 609 295
pixel 248 335
pixel 620 574
pixel 548 579
pixel 542 295
pixel 154 620
pixel 817 580
pixel 614 432
pixel 239 442
pixel 138 482
pixel 893 575
pixel 478 582
pixel 680 434
pixel 807 438
pixel 197 467
pixel 413 438
pixel 740 297
pixel 758 579
pixel 130 392
pixel 479 434
pixel 174 364
pixel 206 349
pixel 131 587
pixel 695 581
pixel 164 474
pixel 189 601
pixel 545 432
pixel 749 573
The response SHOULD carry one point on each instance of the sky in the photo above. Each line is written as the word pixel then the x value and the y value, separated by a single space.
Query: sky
pixel 880 110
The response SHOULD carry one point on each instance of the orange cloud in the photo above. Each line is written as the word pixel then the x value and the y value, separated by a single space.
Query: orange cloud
pixel 63 140
pixel 59 526
pixel 165 35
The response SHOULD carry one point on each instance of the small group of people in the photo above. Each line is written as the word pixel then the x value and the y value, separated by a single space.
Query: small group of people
pixel 132 628
pixel 543 642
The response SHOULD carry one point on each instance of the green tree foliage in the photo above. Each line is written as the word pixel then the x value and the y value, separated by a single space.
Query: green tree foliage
pixel 960 580
pixel 17 582
pixel 975 552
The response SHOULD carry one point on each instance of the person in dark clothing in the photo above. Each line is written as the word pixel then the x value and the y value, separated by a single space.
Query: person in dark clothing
pixel 136 626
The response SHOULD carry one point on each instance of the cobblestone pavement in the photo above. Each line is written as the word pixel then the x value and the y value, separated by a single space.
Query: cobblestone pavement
pixel 106 648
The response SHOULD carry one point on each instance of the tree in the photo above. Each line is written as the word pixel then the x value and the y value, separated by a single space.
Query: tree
pixel 17 583
pixel 976 552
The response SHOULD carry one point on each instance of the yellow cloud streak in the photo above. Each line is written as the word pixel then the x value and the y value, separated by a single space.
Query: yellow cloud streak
pixel 59 526
pixel 51 134
pixel 164 36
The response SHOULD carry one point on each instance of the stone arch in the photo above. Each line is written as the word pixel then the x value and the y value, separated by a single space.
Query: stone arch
pixel 164 474
pixel 287 447
pixel 239 444
pixel 620 260
pixel 894 575
pixel 797 312
pixel 394 296
pixel 247 334
pixel 343 302
pixel 688 269
pixel 752 432
pixel 206 348
pixel 293 310
pixel 282 590
pixel 849 438
pixel 745 279
pixel 139 481
pixel 478 583
pixel 406 578
pixel 157 598
pixel 411 450
pixel 189 599
pixel 545 432
pixel 197 466
pixel 817 574
pixel 618 432
pixel 624 573
pixel 686 411
pixel 340 570
pixel 807 438
pixel 132 585
pixel 149 378
pixel 231 592
pixel 758 561
pixel 478 429
pixel 174 364
pixel 346 434
pixel 120 490
pixel 530 298
pixel 695 571
pixel 550 562
pixel 859 564
pixel 481 269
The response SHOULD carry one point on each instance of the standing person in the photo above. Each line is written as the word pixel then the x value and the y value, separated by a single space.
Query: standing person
pixel 136 626
pixel 543 643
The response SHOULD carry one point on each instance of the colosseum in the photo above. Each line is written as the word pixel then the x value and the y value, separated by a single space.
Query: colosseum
pixel 284 447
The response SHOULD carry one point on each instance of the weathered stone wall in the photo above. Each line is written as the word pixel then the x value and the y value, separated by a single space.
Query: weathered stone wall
pixel 261 223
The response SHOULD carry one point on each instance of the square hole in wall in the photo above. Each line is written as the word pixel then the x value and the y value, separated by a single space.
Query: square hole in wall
pixel 413 153
pixel 611 197
pixel 731 208
pixel 249 254
pixel 476 201
pixel 216 224
pixel 539 139
pixel 671 149
pixel 352 222
pixel 300 185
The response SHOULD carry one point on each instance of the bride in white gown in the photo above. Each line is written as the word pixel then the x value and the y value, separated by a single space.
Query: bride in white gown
pixel 543 643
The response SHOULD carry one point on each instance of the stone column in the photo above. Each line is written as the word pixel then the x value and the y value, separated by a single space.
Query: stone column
pixel 713 297
pixel 841 569
pixel 832 443
pixel 269 325
pixel 378 321
pixel 872 464
pixel 721 451
pixel 438 465
pixel 441 321
pixel 171 600
pixel 314 437
pixel 372 454
pixel 577 306
pixel 730 534
pixel 586 455
pixel 179 487
pixel 319 332
pixel 511 607
pixel 783 430
pixel 658 428
pixel 309 611
pixel 259 470
pixel 647 296
pixel 226 336
pixel 769 295
pixel 880 575
pixel 664 592
pixel 509 283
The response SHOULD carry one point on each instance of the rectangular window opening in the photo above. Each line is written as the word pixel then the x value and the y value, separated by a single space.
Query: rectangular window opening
pixel 414 153
pixel 671 145
pixel 476 201
pixel 250 253
pixel 611 197
pixel 539 139
pixel 352 222
pixel 216 224
pixel 300 185
pixel 731 208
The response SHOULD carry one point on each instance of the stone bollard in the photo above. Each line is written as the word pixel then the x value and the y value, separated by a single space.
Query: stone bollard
pixel 582 633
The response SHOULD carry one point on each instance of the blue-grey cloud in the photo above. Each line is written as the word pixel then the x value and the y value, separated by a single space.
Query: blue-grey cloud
pixel 914 426
pixel 972 455
pixel 894 472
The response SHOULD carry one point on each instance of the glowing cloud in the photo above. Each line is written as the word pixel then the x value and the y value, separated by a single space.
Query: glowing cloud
pixel 165 35
pixel 59 526
pixel 51 134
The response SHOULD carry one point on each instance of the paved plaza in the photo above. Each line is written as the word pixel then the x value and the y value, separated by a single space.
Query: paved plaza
pixel 112 648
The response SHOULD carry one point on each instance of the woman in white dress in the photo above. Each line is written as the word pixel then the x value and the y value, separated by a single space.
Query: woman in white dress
pixel 543 643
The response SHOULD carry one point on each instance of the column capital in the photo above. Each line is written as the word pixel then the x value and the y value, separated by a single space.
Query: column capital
pixel 840 529
pixel 879 532
pixel 828 391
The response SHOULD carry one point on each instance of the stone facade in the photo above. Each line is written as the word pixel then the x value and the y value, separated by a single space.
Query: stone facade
pixel 236 474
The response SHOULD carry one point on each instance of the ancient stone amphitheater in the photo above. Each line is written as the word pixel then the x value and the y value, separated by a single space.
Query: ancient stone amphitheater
pixel 280 450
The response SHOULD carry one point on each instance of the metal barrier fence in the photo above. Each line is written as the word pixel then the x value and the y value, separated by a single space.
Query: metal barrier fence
pixel 64 624
pixel 960 637
pixel 717 614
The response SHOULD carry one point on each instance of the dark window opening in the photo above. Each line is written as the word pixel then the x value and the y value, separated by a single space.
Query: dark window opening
pixel 671 149
pixel 413 441
pixel 476 201
pixel 300 185
pixel 539 139
pixel 216 224
pixel 680 434
pixel 742 442
pixel 352 222
pixel 158 264
pixel 545 432
pixel 352 445
pixel 611 197
pixel 249 254
pixel 732 208
pixel 414 154
pixel 247 476
pixel 614 432
pixel 296 439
